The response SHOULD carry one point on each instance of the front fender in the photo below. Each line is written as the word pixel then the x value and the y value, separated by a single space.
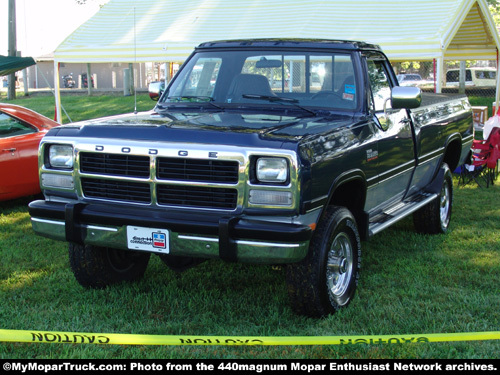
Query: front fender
pixel 349 190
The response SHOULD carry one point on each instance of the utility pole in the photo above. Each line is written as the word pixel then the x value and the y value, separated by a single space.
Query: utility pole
pixel 11 92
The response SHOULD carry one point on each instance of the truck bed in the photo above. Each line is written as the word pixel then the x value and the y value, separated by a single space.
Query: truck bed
pixel 430 98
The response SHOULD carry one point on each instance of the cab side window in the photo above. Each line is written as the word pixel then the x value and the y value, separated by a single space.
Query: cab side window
pixel 380 85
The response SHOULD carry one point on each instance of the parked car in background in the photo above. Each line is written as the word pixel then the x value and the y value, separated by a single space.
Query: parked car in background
pixel 155 89
pixel 21 130
pixel 409 79
pixel 414 80
pixel 480 77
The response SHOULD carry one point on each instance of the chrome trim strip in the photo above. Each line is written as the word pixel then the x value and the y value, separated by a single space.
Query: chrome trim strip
pixel 401 169
pixel 197 238
pixel 315 209
pixel 268 244
pixel 101 228
pixel 239 242
pixel 45 221
pixel 61 223
pixel 468 139
pixel 319 198
pixel 431 155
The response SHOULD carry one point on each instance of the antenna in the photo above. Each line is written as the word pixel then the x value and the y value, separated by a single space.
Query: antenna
pixel 135 63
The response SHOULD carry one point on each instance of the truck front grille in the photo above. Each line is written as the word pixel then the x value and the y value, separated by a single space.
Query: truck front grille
pixel 114 164
pixel 194 196
pixel 201 170
pixel 122 191
pixel 105 176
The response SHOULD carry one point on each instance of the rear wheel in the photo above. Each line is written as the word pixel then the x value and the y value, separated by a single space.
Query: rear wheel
pixel 434 218
pixel 97 267
pixel 326 280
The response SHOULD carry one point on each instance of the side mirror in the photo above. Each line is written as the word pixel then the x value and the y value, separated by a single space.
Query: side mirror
pixel 155 90
pixel 406 97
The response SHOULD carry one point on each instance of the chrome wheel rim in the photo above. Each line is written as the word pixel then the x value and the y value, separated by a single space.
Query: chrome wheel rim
pixel 445 205
pixel 339 266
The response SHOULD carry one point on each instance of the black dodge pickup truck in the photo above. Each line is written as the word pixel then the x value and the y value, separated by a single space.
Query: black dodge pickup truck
pixel 264 151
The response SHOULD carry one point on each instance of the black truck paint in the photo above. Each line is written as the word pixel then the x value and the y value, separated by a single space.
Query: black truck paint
pixel 264 151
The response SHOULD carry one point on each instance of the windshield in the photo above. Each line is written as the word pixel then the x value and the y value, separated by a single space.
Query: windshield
pixel 321 80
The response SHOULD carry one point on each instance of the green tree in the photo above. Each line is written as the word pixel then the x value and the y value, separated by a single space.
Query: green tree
pixel 495 10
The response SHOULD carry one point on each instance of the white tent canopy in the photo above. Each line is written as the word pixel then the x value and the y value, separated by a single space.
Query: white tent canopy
pixel 167 31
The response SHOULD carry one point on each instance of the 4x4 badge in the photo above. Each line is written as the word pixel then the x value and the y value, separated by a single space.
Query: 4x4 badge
pixel 371 155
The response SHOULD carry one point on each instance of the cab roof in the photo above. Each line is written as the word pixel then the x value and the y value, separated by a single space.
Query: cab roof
pixel 289 43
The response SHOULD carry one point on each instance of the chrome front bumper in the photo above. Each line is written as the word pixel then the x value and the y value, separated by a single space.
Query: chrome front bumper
pixel 229 238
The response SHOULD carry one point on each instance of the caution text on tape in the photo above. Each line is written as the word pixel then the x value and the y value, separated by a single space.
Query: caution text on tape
pixel 138 339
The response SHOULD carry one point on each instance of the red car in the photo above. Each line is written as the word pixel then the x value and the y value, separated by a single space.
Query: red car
pixel 21 130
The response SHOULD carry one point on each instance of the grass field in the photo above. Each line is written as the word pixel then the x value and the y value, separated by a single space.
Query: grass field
pixel 83 107
pixel 410 284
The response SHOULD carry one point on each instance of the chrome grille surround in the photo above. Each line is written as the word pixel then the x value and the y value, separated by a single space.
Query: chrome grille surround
pixel 231 190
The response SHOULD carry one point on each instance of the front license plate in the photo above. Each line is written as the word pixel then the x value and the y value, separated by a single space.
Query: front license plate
pixel 148 239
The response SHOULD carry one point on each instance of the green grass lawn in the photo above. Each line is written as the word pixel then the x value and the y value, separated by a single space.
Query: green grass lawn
pixel 410 285
pixel 83 107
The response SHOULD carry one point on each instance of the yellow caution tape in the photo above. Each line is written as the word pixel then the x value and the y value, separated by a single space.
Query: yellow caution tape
pixel 132 339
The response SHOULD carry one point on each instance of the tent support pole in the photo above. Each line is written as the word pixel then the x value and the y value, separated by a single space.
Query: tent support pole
pixel 461 78
pixel 57 92
pixel 434 73
pixel 497 93
pixel 89 80
pixel 439 74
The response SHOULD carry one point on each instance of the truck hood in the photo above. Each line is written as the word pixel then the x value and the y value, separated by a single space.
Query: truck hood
pixel 237 129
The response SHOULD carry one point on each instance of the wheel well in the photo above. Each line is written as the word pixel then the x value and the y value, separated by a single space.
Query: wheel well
pixel 452 154
pixel 352 195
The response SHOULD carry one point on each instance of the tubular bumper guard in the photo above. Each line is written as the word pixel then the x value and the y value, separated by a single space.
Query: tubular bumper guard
pixel 230 238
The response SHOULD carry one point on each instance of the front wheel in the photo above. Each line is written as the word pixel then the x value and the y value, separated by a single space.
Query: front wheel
pixel 326 279
pixel 97 267
pixel 434 218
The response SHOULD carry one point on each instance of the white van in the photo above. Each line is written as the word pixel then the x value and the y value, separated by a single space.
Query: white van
pixel 485 77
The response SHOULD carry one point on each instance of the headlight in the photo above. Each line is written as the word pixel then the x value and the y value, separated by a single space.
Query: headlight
pixel 61 156
pixel 273 170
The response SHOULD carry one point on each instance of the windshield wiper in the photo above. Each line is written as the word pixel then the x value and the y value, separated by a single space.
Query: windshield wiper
pixel 270 98
pixel 190 98
pixel 279 99
pixel 193 99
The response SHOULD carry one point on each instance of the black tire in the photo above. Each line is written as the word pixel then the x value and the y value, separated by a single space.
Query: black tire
pixel 326 280
pixel 178 263
pixel 98 267
pixel 434 218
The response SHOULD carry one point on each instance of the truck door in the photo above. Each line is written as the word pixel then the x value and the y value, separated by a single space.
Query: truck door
pixel 396 156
